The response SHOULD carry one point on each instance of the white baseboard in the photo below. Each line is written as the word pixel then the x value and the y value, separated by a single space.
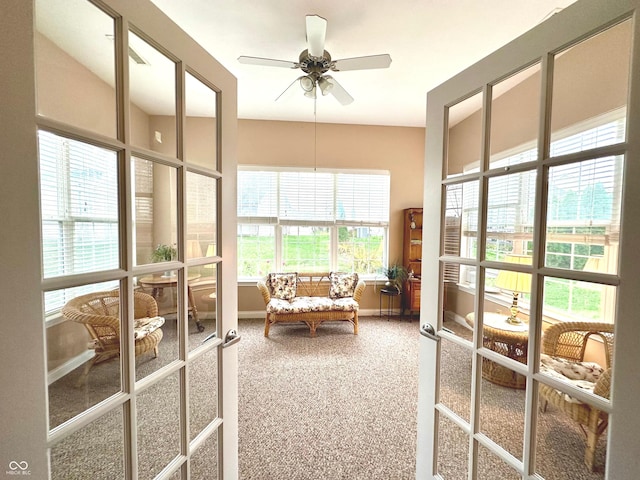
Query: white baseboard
pixel 70 365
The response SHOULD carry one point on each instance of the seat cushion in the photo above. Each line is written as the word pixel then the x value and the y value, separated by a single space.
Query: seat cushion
pixel 583 375
pixel 146 325
pixel 310 304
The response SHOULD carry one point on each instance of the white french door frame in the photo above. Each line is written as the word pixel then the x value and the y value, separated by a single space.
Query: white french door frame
pixel 575 23
pixel 25 440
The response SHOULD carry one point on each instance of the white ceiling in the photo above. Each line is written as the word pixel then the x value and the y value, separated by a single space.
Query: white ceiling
pixel 429 41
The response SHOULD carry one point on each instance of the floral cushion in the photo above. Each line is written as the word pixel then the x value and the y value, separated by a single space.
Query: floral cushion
pixel 144 326
pixel 342 284
pixel 310 304
pixel 283 285
pixel 583 375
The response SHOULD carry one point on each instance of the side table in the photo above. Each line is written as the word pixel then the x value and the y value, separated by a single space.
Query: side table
pixel 509 340
pixel 391 295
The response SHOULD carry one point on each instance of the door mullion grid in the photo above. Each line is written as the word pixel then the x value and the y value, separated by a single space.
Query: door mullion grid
pixel 476 374
pixel 183 310
pixel 128 361
pixel 537 280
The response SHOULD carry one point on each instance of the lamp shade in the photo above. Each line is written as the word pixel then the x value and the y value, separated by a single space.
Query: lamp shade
pixel 325 85
pixel 515 281
pixel 595 264
pixel 193 249
pixel 307 83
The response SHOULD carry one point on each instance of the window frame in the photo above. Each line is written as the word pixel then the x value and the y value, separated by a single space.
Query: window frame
pixel 272 218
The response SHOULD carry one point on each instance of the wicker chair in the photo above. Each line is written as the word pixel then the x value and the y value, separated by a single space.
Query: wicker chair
pixel 568 340
pixel 99 313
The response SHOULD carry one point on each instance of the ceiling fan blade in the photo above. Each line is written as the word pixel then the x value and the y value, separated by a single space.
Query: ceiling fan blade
pixel 267 62
pixel 289 88
pixel 362 63
pixel 316 33
pixel 338 91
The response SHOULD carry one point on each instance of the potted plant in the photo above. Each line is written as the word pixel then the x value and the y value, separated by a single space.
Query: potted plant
pixel 164 253
pixel 396 275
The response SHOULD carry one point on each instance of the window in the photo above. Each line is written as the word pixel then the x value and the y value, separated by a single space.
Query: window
pixel 583 211
pixel 79 203
pixel 304 220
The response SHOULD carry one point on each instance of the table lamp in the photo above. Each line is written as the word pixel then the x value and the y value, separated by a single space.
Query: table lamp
pixel 515 282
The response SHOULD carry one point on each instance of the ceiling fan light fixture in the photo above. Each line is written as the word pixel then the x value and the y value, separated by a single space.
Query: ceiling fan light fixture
pixel 325 85
pixel 311 93
pixel 307 83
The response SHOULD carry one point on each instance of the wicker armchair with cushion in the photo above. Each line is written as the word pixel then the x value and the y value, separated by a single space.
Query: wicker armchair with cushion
pixel 563 349
pixel 99 313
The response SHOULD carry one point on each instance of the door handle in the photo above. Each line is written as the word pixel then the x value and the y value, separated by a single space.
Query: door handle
pixel 230 338
pixel 428 331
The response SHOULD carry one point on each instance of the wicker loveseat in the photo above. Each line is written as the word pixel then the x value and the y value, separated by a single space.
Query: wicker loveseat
pixel 311 298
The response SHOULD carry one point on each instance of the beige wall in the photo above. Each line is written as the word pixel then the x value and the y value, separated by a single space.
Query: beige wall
pixel 578 78
pixel 400 150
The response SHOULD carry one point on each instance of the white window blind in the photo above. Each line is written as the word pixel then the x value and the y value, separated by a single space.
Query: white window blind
pixel 362 198
pixel 306 196
pixel 258 196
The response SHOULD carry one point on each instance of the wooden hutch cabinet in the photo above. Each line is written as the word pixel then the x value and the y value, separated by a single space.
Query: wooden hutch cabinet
pixel 412 258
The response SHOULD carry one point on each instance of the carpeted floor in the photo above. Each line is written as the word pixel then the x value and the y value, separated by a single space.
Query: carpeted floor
pixel 338 406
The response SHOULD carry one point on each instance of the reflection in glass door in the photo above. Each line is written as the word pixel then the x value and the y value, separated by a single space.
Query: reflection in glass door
pixel 131 211
pixel 532 169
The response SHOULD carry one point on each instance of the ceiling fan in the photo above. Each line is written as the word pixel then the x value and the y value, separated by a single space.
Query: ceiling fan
pixel 315 62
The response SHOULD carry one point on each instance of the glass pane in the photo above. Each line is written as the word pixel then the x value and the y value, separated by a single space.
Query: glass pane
pixel 158 426
pixel 203 299
pixel 201 216
pixel 571 300
pixel 152 84
pixel 597 106
pixel 75 65
pixel 83 349
pixel 203 389
pixel 583 215
pixel 201 130
pixel 155 324
pixel 464 137
pixel 561 444
pixel 256 250
pixel 359 249
pixel 305 249
pixel 204 461
pixel 453 450
pixel 95 451
pixel 455 378
pixel 510 210
pixel 155 215
pixel 502 409
pixel 515 107
pixel 506 330
pixel 461 220
pixel 79 205
pixel 490 467
pixel 459 298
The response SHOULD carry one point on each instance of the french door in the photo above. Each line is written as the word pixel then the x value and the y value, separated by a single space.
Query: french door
pixel 530 178
pixel 122 148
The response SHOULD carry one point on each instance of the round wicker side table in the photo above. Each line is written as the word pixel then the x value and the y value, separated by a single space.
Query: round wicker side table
pixel 509 340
